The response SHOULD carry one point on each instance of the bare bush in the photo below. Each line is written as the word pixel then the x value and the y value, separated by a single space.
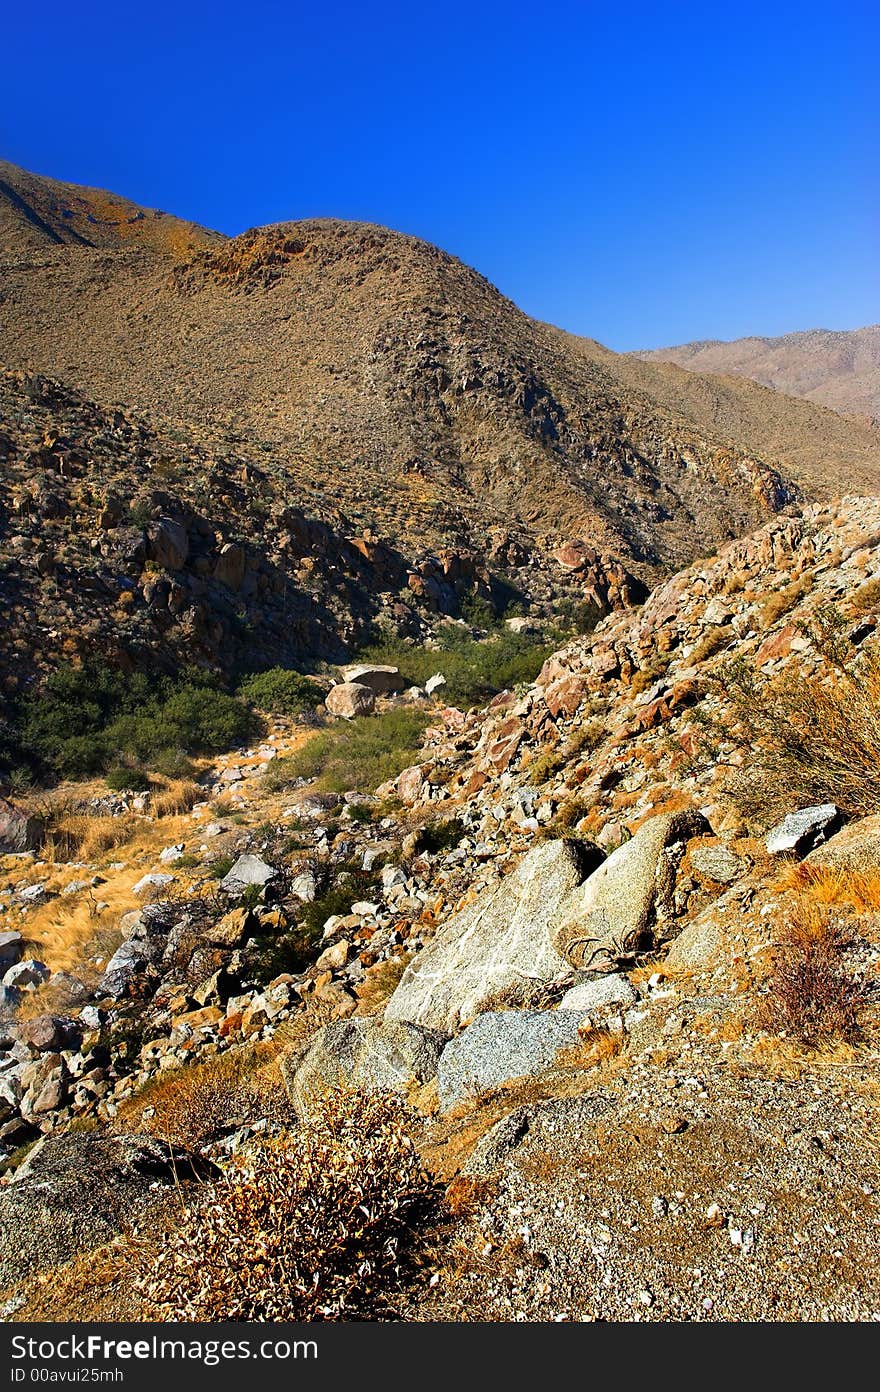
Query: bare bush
pixel 811 995
pixel 317 1224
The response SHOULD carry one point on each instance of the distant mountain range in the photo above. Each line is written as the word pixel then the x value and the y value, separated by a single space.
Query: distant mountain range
pixel 836 369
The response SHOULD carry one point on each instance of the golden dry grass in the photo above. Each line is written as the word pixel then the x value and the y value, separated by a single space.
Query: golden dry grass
pixel 60 930
pixel 826 885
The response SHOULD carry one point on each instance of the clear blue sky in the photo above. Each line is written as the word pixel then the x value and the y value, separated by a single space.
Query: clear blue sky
pixel 644 173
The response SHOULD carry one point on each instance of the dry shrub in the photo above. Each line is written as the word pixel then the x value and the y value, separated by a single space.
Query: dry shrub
pixel 811 995
pixel 525 994
pixel 319 1223
pixel 466 1194
pixel 810 739
pixel 712 641
pixel 195 1105
pixel 866 597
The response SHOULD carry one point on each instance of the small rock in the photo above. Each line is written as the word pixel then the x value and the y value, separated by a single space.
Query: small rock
pixel 591 995
pixel 247 870
pixel 154 880
pixel 10 950
pixel 26 975
pixel 801 831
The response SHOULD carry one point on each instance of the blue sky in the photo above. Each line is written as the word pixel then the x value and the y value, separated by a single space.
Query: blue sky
pixel 643 173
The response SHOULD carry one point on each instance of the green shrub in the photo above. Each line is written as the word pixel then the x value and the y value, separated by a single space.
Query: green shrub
pixel 354 755
pixel 85 719
pixel 475 669
pixel 579 616
pixel 281 691
pixel 442 835
pixel 127 780
pixel 220 867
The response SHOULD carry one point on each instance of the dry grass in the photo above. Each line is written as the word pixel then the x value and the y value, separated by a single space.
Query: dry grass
pixel 319 1223
pixel 81 836
pixel 193 1106
pixel 380 982
pixel 178 796
pixel 595 1048
pixel 866 597
pixel 827 884
pixel 64 932
pixel 783 600
pixel 466 1194
pixel 712 641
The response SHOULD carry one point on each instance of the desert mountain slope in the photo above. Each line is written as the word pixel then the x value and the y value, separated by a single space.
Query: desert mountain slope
pixel 402 385
pixel 36 213
pixel 388 374
pixel 836 369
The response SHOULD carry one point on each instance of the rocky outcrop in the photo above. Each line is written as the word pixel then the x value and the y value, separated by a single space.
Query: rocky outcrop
pixel 501 943
pixel 81 1189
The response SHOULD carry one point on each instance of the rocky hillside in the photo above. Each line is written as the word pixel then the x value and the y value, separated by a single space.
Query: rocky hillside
pixel 836 369
pixel 613 938
pixel 144 547
pixel 384 372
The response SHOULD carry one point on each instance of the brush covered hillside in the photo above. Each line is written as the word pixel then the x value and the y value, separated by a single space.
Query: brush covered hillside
pixel 836 369
pixel 384 373
pixel 574 1017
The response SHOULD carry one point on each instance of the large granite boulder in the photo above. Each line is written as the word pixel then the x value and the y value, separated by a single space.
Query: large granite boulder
pixel 19 831
pixel 502 1045
pixel 360 1054
pixel 856 848
pixel 350 699
pixel 497 944
pixel 610 918
pixel 81 1189
pixel 381 680
pixel 801 831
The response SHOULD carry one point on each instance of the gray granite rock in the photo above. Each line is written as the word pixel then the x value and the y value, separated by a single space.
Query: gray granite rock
pixel 593 995
pixel 360 1054
pixel 502 1045
pixel 803 830
pixel 608 919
